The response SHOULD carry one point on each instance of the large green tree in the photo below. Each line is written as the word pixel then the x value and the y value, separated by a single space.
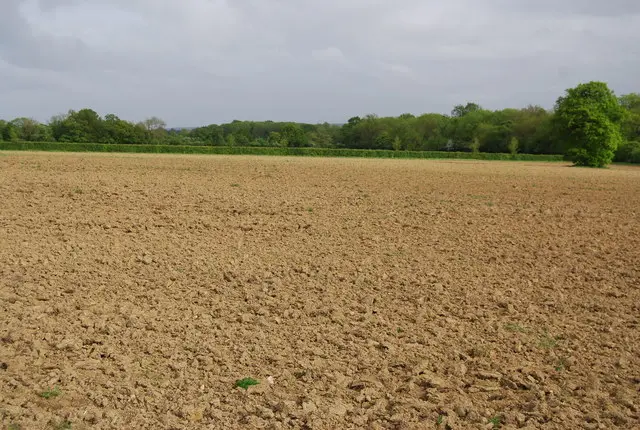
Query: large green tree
pixel 589 118
pixel 294 135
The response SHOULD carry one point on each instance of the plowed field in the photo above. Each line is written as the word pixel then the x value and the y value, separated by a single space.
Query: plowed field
pixel 136 290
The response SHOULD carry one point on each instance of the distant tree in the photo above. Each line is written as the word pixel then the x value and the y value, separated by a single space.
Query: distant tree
pixel 363 133
pixel 155 128
pixel 84 125
pixel 211 135
pixel 26 128
pixel 475 145
pixel 406 130
pixel 432 129
pixel 321 137
pixel 154 123
pixel 8 131
pixel 464 128
pixel 57 125
pixel 349 137
pixel 385 141
pixel 628 152
pixel 116 130
pixel 275 139
pixel 460 110
pixel 513 145
pixel 589 118
pixel 397 143
pixel 294 135
pixel 631 120
pixel 450 146
pixel 630 101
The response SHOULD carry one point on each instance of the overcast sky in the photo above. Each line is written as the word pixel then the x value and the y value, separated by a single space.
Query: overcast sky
pixel 196 62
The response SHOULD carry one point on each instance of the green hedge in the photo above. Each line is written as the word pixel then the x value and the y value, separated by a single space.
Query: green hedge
pixel 241 150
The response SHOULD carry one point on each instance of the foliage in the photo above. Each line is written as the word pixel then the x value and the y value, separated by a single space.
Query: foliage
pixel 246 383
pixel 631 121
pixel 50 393
pixel 8 131
pixel 496 422
pixel 246 150
pixel 62 425
pixel 589 118
pixel 514 144
pixel 460 110
pixel 475 145
pixel 294 135
pixel 469 128
pixel 628 152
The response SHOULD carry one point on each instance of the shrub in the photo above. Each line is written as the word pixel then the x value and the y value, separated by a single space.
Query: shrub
pixel 286 151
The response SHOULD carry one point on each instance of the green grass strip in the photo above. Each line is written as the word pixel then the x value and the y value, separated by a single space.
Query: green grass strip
pixel 276 151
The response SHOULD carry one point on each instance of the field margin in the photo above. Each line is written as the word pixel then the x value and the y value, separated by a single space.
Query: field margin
pixel 273 151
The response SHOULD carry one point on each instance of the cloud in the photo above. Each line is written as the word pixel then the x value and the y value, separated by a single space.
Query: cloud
pixel 400 69
pixel 202 61
pixel 328 54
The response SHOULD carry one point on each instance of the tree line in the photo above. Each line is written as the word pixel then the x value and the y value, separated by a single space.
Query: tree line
pixel 469 127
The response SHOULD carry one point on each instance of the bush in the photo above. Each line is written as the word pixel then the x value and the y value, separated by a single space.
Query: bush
pixel 288 151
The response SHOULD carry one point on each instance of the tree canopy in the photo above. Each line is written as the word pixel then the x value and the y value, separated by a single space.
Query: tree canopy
pixel 588 120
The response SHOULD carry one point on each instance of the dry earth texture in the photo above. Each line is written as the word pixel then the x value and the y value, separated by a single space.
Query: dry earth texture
pixel 136 290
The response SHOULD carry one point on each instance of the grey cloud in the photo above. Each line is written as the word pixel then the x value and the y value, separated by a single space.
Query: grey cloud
pixel 203 61
pixel 572 7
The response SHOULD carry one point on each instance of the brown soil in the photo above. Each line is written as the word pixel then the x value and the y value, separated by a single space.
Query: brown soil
pixel 375 294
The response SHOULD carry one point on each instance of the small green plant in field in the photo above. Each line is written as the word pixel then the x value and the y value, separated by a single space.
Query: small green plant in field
pixel 561 364
pixel 440 419
pixel 235 185
pixel 400 330
pixel 14 426
pixel 310 210
pixel 548 342
pixel 62 425
pixel 496 421
pixel 514 327
pixel 51 393
pixel 78 190
pixel 245 383
pixel 490 204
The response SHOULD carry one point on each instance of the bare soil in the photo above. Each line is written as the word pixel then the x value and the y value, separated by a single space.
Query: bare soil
pixel 135 290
